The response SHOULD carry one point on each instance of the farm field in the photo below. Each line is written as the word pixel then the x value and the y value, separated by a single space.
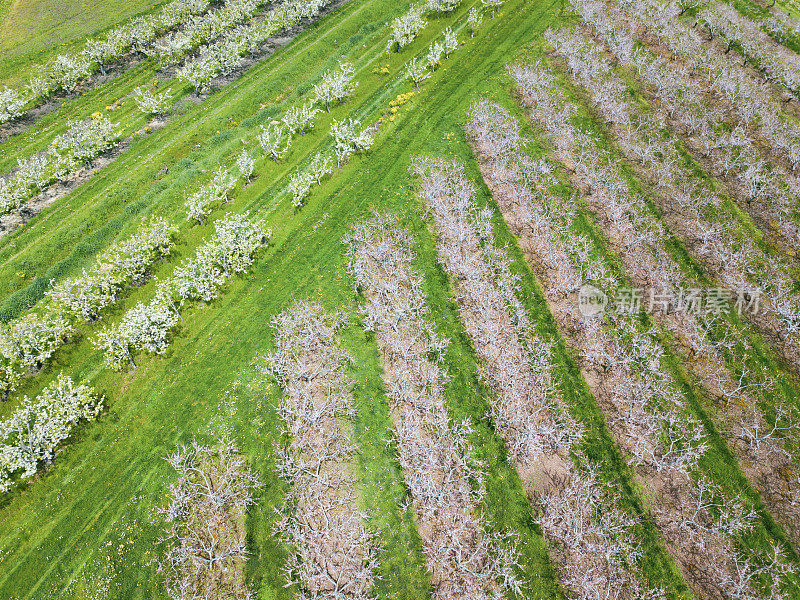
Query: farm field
pixel 406 300
pixel 30 29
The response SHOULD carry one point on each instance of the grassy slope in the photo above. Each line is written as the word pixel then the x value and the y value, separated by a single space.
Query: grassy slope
pixel 32 30
pixel 89 516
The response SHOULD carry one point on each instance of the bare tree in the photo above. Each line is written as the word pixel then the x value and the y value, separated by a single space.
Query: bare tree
pixel 205 546
pixel 334 555
pixel 464 561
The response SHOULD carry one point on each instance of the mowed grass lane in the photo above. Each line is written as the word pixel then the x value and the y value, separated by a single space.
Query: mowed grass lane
pixel 31 31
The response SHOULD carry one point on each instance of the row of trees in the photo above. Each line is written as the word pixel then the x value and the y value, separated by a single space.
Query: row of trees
pixel 648 410
pixel 28 342
pixel 223 55
pixel 777 62
pixel 334 555
pixel 700 214
pixel 146 326
pixel 517 364
pixel 598 548
pixel 348 138
pixel 77 147
pixel 487 123
pixel 32 434
pixel 605 181
pixel 726 141
pixel 334 86
pixel 205 546
pixel 752 99
pixel 123 264
pixel 735 151
pixel 444 480
pixel 713 228
pixel 205 29
pixel 406 27
pixel 66 71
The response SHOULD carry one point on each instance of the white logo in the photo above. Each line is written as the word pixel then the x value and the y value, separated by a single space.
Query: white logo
pixel 591 301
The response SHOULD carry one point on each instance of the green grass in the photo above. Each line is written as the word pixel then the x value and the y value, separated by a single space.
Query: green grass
pixel 108 479
pixel 33 30
pixel 86 527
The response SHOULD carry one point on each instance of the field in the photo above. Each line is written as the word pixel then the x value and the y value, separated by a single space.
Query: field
pixel 32 29
pixel 645 456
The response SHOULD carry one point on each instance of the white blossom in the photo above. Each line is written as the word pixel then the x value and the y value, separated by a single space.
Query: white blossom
pixel 275 139
pixel 474 20
pixel 336 85
pixel 33 432
pixel 348 140
pixel 151 102
pixel 406 28
pixel 417 71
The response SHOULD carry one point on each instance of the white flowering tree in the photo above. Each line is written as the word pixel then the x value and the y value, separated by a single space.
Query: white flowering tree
pixel 235 244
pixel 493 4
pixel 12 104
pixel 275 139
pixel 300 118
pixel 336 85
pixel 198 73
pixel 300 186
pixel 32 339
pixel 442 6
pixel 35 171
pixel 417 71
pixel 474 20
pixel 246 164
pixel 434 56
pixel 214 193
pixel 66 71
pixel 348 139
pixel 105 50
pixel 85 295
pixel 12 194
pixel 450 42
pixel 152 103
pixel 406 28
pixel 144 327
pixel 33 432
pixel 320 166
